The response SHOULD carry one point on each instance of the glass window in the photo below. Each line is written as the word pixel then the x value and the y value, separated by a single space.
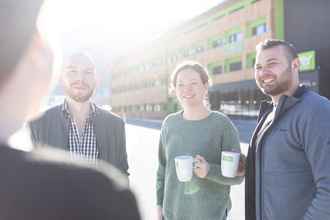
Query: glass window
pixel 235 66
pixel 185 53
pixel 200 49
pixel 232 38
pixel 239 37
pixel 157 108
pixel 236 37
pixel 149 108
pixel 217 43
pixel 260 29
pixel 191 51
pixel 217 70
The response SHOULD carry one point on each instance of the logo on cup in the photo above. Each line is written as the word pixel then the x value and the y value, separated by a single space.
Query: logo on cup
pixel 228 158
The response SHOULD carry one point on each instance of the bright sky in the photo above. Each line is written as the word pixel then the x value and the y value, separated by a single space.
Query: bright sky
pixel 120 22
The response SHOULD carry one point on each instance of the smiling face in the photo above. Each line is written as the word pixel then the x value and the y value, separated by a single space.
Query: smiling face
pixel 189 88
pixel 275 73
pixel 78 78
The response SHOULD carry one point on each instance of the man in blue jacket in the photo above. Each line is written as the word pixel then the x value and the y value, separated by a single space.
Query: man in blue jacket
pixel 288 165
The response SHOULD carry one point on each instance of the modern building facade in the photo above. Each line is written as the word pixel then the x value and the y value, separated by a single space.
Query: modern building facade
pixel 224 40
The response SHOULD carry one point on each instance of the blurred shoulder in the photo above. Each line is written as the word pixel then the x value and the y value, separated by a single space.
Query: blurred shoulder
pixel 61 162
pixel 222 120
pixel 216 115
pixel 173 117
pixel 62 184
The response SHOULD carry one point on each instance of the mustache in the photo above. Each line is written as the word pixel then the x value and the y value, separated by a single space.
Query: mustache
pixel 79 84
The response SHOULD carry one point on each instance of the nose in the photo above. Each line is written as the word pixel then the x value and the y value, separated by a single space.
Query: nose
pixel 262 72
pixel 80 76
pixel 187 88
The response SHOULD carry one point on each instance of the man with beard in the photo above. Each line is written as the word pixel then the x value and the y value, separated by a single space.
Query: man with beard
pixel 78 125
pixel 288 166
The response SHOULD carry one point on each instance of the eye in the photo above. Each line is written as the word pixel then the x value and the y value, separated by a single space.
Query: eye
pixel 72 71
pixel 257 68
pixel 272 64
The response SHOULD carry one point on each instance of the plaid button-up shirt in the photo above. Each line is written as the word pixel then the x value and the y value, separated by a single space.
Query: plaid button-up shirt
pixel 85 146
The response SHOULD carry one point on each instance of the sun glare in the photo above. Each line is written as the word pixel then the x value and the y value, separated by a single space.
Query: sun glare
pixel 121 22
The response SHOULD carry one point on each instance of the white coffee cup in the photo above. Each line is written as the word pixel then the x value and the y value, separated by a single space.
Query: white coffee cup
pixel 229 163
pixel 184 167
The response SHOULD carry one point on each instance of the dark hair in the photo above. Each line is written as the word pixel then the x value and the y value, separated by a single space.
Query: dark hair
pixel 190 65
pixel 271 43
pixel 18 24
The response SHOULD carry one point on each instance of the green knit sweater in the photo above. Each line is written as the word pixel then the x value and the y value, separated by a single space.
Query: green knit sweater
pixel 199 199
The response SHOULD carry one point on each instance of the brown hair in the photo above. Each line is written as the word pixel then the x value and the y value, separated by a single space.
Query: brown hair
pixel 271 43
pixel 18 24
pixel 190 65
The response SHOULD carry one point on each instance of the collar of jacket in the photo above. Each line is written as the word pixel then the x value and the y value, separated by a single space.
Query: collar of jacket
pixel 284 104
pixel 66 112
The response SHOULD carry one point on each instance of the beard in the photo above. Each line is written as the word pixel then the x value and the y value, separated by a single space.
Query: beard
pixel 79 97
pixel 280 86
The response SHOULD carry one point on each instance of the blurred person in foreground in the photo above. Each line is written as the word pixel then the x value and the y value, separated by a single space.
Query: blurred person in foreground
pixel 43 185
pixel 203 134
pixel 78 125
pixel 288 166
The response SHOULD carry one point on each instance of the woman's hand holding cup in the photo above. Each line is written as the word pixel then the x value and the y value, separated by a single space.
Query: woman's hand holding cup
pixel 201 167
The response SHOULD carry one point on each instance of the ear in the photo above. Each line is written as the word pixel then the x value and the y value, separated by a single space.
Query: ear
pixel 206 86
pixel 295 65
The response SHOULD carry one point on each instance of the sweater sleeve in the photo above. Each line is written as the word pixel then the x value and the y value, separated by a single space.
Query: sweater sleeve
pixel 316 142
pixel 230 140
pixel 160 173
